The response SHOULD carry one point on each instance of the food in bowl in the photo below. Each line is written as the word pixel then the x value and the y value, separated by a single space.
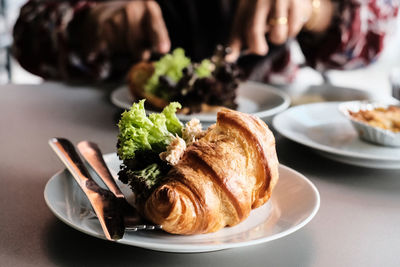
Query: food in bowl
pixel 374 122
pixel 194 181
pixel 387 118
pixel 199 87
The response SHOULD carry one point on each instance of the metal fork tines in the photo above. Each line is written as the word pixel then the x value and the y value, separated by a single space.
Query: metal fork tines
pixel 93 156
pixel 143 227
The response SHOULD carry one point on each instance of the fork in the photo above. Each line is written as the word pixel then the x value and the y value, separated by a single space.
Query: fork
pixel 93 156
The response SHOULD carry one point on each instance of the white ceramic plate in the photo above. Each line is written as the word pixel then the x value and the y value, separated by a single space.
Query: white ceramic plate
pixel 259 99
pixel 322 127
pixel 326 93
pixel 294 203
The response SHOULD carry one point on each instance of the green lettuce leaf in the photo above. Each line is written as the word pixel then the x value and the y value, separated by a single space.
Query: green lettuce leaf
pixel 146 177
pixel 139 132
pixel 173 124
pixel 170 65
pixel 204 69
pixel 142 180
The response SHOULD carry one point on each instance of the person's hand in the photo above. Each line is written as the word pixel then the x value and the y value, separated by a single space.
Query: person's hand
pixel 281 19
pixel 134 27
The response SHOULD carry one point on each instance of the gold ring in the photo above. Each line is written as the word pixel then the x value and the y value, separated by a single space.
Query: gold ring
pixel 278 21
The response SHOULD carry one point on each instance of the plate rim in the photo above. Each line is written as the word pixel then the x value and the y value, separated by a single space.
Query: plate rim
pixel 321 147
pixel 286 100
pixel 185 248
pixel 383 165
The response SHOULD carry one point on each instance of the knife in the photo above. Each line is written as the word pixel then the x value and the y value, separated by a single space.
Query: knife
pixel 92 154
pixel 133 220
pixel 102 201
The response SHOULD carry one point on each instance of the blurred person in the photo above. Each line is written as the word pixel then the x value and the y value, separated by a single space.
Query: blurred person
pixel 100 40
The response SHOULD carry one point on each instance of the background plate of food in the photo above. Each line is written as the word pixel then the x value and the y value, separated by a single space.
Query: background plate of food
pixel 202 88
pixel 375 122
pixel 326 92
pixel 294 203
pixel 322 127
pixel 259 99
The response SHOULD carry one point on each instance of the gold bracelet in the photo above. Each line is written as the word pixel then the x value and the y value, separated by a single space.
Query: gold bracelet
pixel 313 20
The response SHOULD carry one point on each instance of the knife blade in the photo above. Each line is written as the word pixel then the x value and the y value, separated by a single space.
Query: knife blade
pixel 92 154
pixel 102 201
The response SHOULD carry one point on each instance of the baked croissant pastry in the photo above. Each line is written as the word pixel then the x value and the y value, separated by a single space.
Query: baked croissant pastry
pixel 219 179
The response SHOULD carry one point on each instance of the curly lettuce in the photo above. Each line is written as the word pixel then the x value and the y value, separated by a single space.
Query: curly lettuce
pixel 170 65
pixel 204 69
pixel 139 132
pixel 174 125
pixel 145 178
pixel 141 138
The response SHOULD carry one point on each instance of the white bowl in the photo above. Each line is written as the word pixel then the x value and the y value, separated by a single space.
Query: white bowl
pixel 365 131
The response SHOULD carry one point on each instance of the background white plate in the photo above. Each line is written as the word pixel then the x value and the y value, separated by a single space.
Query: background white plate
pixel 294 203
pixel 322 127
pixel 259 99
pixel 325 92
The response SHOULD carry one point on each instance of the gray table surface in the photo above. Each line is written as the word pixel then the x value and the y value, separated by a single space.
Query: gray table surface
pixel 358 223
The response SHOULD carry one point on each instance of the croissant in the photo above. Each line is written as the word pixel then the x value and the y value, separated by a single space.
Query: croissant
pixel 220 178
